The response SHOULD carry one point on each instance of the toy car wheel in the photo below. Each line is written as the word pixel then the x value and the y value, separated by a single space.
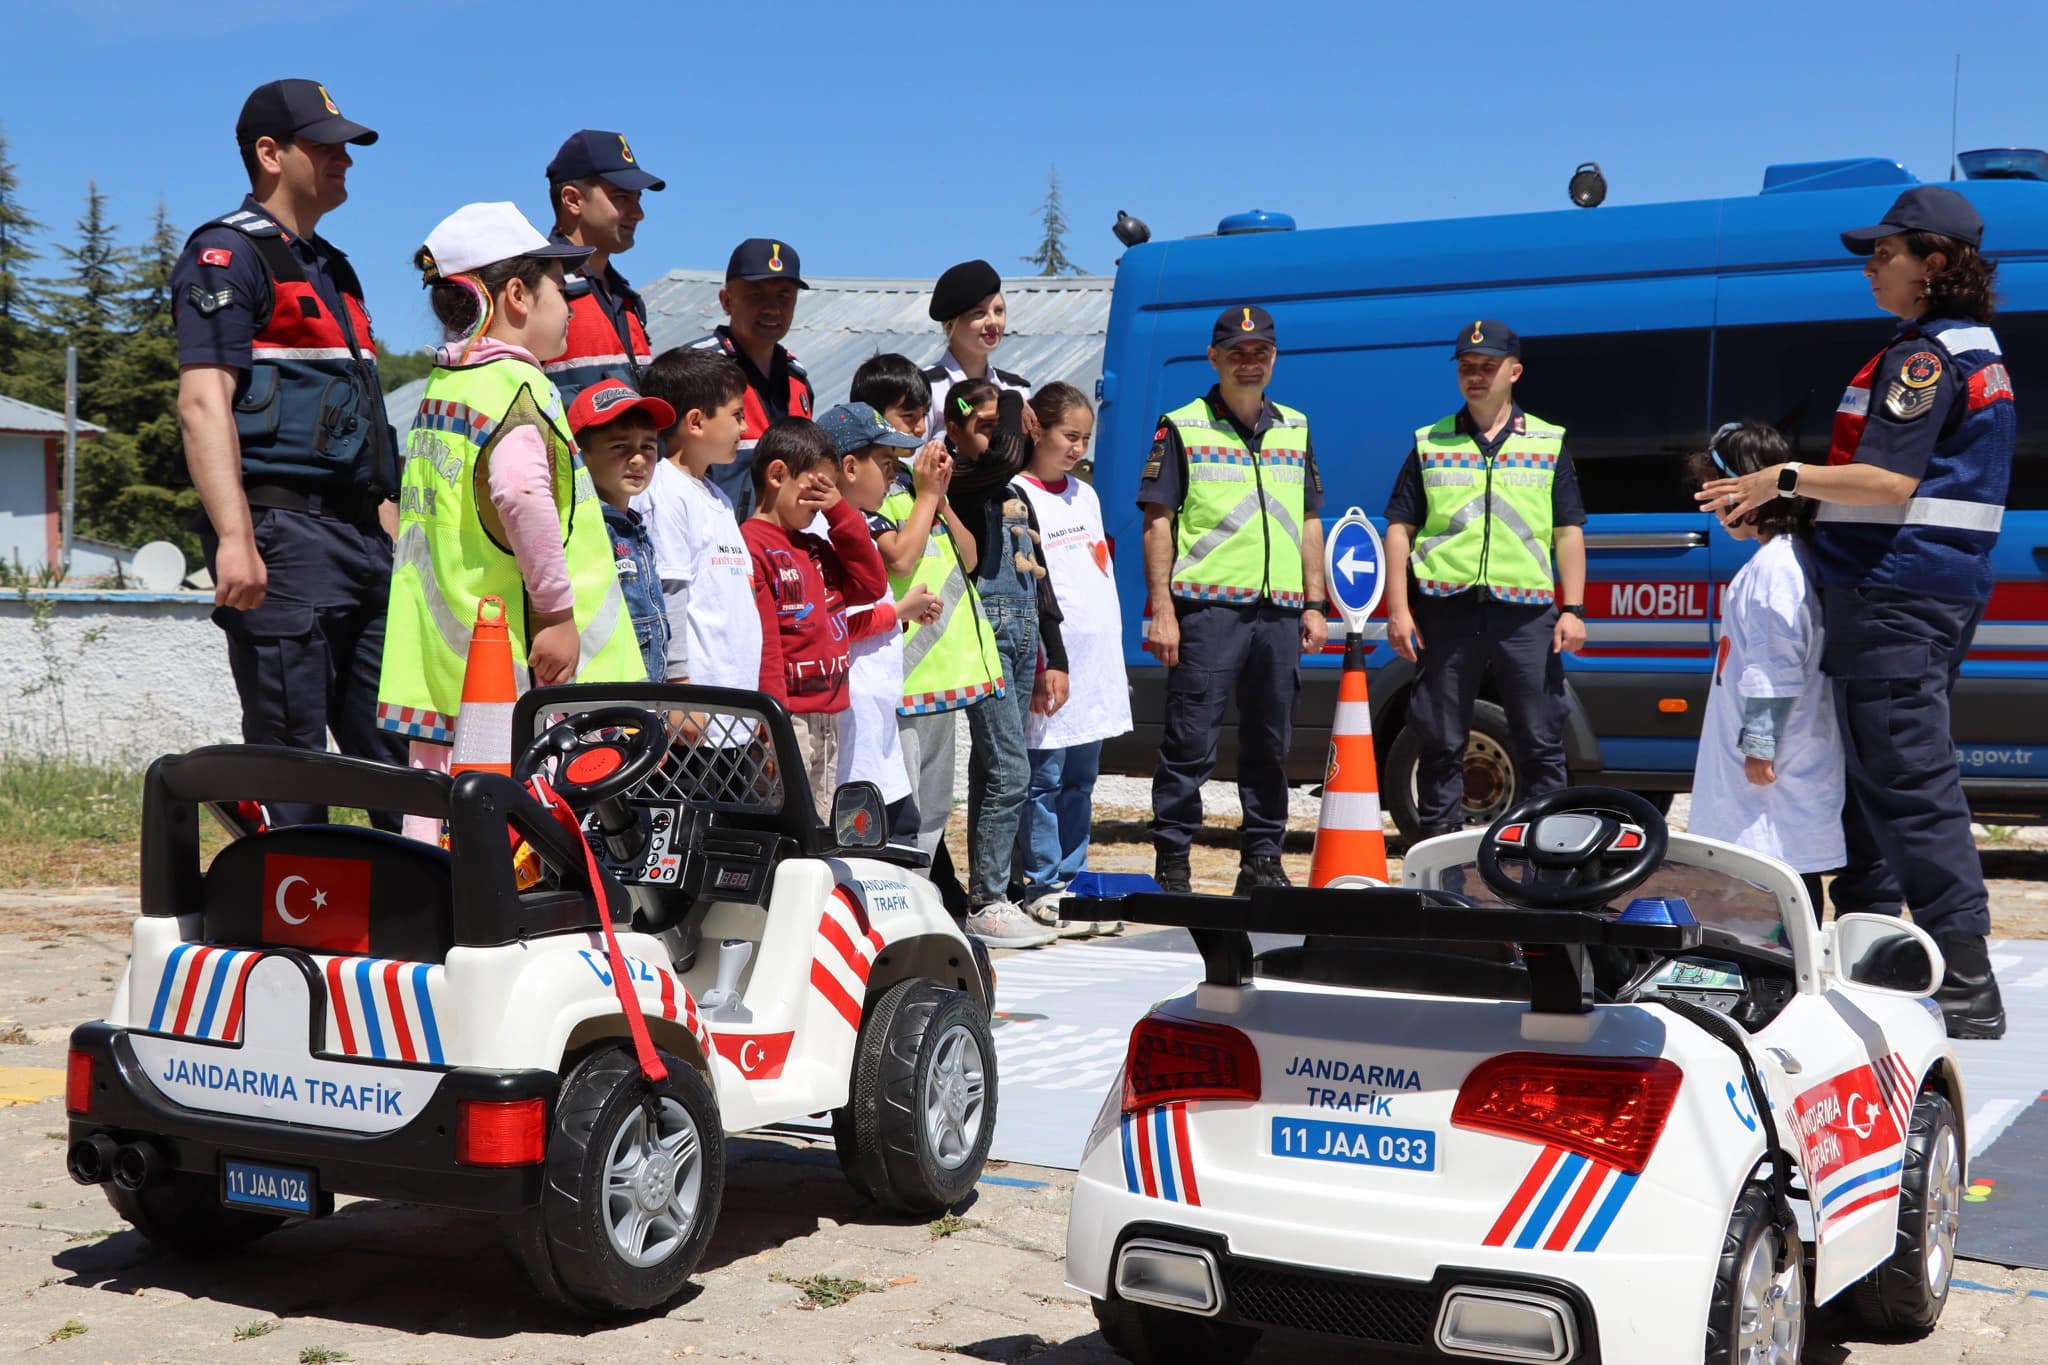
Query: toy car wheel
pixel 1160 1336
pixel 635 1175
pixel 1758 1315
pixel 1492 783
pixel 182 1212
pixel 915 1129
pixel 1908 1291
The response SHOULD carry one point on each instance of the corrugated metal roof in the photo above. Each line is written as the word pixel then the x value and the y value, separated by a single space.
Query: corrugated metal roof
pixel 1056 328
pixel 16 415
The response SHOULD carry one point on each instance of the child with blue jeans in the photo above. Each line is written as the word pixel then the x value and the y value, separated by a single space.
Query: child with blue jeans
pixel 619 434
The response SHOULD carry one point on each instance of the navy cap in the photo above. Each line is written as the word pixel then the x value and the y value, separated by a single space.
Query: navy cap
pixel 760 258
pixel 1243 322
pixel 1924 208
pixel 1486 336
pixel 856 426
pixel 593 152
pixel 296 108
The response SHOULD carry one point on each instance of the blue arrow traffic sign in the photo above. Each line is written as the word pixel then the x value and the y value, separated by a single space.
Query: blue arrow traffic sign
pixel 1355 567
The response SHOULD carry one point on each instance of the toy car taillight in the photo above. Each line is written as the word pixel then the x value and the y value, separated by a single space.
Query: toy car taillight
pixel 78 1083
pixel 1173 1059
pixel 501 1132
pixel 1611 1109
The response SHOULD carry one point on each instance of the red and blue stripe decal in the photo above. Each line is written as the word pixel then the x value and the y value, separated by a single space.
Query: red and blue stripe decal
pixel 365 995
pixel 199 994
pixel 1159 1161
pixel 1561 1198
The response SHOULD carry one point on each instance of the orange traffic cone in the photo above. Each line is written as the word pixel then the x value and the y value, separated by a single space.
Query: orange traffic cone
pixel 1349 840
pixel 483 727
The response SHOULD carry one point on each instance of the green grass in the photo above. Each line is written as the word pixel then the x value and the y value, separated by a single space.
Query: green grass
pixel 827 1291
pixel 950 1224
pixel 321 1355
pixel 72 1328
pixel 262 1327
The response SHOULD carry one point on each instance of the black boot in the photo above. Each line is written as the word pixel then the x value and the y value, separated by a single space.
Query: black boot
pixel 1259 869
pixel 1969 999
pixel 1170 870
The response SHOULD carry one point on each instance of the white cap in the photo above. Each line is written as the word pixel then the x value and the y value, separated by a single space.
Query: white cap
pixel 478 235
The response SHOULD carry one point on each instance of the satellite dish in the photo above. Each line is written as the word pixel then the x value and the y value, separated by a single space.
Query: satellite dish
pixel 159 566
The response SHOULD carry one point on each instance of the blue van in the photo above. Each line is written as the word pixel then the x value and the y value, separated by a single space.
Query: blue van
pixel 1643 328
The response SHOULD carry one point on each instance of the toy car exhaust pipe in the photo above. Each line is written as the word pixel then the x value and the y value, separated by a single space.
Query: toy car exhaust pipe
pixel 137 1164
pixel 91 1160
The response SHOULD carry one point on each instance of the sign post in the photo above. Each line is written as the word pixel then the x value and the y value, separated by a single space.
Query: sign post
pixel 1350 843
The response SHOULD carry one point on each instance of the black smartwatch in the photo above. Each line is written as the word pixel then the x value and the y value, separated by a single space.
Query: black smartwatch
pixel 1577 609
pixel 1317 604
pixel 1788 480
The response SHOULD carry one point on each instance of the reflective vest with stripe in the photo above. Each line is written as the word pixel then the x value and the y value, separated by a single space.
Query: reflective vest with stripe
pixel 1938 541
pixel 1488 522
pixel 597 349
pixel 453 552
pixel 309 410
pixel 1237 537
pixel 953 662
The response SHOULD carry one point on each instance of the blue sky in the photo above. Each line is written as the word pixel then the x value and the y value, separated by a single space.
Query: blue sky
pixel 888 140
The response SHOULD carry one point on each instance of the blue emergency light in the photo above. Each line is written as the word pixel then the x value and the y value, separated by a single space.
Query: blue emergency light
pixel 1667 910
pixel 2004 163
pixel 1110 885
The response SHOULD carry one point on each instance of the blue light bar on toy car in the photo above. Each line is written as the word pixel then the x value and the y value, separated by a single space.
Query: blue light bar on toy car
pixel 1657 910
pixel 1110 885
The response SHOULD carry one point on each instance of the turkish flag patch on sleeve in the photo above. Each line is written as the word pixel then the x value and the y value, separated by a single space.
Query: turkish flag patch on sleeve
pixel 216 255
pixel 321 903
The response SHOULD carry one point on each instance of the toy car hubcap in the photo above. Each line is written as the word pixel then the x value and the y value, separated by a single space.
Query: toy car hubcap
pixel 1944 1211
pixel 1773 1307
pixel 954 1091
pixel 653 1174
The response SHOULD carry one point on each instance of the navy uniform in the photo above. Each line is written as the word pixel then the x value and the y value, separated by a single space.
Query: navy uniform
pixel 1904 585
pixel 607 318
pixel 1483 512
pixel 1241 499
pixel 286 314
pixel 784 391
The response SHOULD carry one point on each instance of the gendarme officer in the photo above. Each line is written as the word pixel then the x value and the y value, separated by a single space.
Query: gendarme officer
pixel 1483 535
pixel 1234 573
pixel 285 437
pixel 594 186
pixel 1911 499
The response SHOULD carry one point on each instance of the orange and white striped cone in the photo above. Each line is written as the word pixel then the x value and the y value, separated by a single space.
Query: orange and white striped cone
pixel 483 727
pixel 1349 840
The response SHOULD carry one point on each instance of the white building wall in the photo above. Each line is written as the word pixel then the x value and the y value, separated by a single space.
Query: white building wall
pixel 23 527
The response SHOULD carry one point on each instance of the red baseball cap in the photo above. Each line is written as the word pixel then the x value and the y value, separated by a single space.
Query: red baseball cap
pixel 610 399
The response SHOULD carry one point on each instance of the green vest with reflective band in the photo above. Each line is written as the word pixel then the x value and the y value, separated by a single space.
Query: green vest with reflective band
pixel 954 661
pixel 1488 522
pixel 452 551
pixel 1238 535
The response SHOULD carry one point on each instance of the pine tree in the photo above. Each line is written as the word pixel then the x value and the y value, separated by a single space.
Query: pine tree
pixel 19 338
pixel 85 308
pixel 1051 256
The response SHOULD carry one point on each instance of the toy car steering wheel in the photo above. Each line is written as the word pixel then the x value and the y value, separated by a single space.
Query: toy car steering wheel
pixel 1585 846
pixel 604 753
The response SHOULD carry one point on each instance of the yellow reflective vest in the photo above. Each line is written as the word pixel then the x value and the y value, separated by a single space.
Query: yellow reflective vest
pixel 1489 521
pixel 1237 536
pixel 954 661
pixel 452 550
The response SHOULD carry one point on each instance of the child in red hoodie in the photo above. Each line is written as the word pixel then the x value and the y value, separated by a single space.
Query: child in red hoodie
pixel 803 584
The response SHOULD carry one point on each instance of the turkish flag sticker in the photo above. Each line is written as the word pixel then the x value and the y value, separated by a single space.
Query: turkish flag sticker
pixel 759 1056
pixel 321 903
pixel 216 255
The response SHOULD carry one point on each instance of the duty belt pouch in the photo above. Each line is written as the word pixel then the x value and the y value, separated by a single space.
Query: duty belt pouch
pixel 256 410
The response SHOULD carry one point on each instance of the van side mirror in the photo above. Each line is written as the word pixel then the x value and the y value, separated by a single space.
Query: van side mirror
pixel 1880 953
pixel 858 817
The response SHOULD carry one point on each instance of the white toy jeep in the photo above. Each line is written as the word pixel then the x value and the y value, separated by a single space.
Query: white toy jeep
pixel 330 1009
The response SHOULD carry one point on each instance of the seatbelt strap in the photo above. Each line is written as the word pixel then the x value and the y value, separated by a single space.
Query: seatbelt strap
pixel 622 982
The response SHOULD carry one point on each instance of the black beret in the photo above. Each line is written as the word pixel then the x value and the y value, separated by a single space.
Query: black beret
pixel 961 287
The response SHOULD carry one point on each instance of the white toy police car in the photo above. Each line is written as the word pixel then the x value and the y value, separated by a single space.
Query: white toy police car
pixel 327 1009
pixel 1535 1130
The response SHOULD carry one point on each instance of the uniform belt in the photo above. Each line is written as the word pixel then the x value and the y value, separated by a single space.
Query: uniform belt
pixel 343 504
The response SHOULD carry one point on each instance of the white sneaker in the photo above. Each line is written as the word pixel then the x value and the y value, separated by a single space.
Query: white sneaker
pixel 1001 924
pixel 1046 910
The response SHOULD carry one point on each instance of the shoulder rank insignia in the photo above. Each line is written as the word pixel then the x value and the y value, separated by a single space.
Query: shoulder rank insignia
pixel 1905 403
pixel 1921 370
pixel 209 301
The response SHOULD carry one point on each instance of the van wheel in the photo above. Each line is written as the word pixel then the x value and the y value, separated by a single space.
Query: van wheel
pixel 635 1175
pixel 1491 782
pixel 1908 1291
pixel 915 1129
pixel 1758 1312
pixel 182 1211
pixel 1148 1335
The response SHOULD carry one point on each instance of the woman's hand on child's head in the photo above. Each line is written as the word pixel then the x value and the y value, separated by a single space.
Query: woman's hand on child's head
pixel 920 605
pixel 552 655
pixel 1761 772
pixel 1729 498
pixel 1049 693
